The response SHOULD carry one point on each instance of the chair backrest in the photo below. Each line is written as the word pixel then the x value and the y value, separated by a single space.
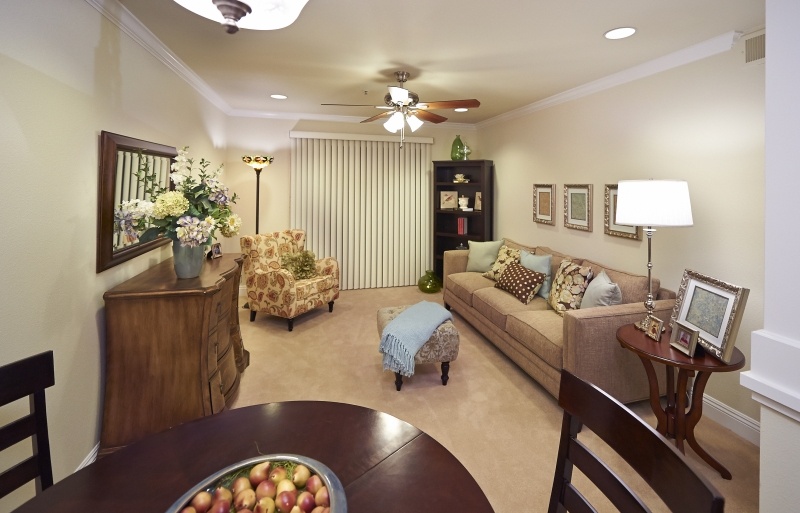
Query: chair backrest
pixel 28 377
pixel 655 458
pixel 264 251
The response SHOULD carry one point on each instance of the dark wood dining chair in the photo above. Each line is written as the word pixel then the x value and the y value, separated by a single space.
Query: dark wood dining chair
pixel 655 458
pixel 27 378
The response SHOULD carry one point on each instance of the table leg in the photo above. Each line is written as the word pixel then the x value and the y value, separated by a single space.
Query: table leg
pixel 655 400
pixel 680 408
pixel 693 417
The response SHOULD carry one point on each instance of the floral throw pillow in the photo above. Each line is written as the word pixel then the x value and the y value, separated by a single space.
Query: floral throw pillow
pixel 302 264
pixel 521 282
pixel 569 286
pixel 505 256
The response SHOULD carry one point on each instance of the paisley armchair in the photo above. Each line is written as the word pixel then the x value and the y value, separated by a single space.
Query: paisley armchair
pixel 273 289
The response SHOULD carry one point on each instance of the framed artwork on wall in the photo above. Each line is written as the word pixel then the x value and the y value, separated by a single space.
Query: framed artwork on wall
pixel 578 206
pixel 712 307
pixel 610 215
pixel 543 204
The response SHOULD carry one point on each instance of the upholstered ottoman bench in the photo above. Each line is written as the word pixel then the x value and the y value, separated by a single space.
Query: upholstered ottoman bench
pixel 441 347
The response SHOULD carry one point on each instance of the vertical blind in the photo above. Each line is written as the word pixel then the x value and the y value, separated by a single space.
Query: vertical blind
pixel 366 203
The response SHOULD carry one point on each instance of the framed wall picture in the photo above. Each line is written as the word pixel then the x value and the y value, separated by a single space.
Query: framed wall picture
pixel 578 206
pixel 543 204
pixel 712 307
pixel 478 200
pixel 610 216
pixel 684 338
pixel 448 200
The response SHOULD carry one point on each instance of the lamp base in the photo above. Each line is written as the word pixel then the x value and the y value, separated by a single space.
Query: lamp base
pixel 644 324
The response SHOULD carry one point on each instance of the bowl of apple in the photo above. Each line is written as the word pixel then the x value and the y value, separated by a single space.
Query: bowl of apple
pixel 273 483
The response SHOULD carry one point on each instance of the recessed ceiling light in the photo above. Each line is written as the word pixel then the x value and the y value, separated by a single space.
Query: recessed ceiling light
pixel 278 96
pixel 620 33
pixel 461 109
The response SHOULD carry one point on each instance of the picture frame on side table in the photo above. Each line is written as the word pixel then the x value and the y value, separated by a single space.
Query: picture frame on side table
pixel 216 250
pixel 610 216
pixel 684 338
pixel 654 328
pixel 543 203
pixel 448 200
pixel 714 308
pixel 578 207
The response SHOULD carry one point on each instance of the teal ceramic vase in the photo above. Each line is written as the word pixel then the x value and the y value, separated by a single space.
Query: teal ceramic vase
pixel 188 261
pixel 457 150
pixel 429 283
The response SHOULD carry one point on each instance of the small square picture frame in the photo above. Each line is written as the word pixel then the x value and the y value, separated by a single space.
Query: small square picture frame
pixel 684 338
pixel 543 203
pixel 448 200
pixel 215 251
pixel 578 206
pixel 654 328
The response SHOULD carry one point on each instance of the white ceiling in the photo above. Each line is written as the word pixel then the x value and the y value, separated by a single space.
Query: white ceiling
pixel 506 53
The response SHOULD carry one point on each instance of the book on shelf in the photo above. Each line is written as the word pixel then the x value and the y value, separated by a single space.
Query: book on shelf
pixel 463 227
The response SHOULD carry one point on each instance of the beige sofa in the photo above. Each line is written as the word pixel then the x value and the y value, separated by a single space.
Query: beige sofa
pixel 542 342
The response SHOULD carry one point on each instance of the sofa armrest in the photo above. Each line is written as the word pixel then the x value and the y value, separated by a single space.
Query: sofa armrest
pixel 592 351
pixel 455 261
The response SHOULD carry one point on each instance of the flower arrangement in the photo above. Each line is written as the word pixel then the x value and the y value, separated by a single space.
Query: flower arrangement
pixel 190 214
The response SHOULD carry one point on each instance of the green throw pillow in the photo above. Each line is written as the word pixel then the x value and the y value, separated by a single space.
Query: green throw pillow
pixel 601 292
pixel 540 264
pixel 482 255
pixel 302 264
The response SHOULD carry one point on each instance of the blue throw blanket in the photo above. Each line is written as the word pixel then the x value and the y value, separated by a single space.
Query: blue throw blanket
pixel 407 333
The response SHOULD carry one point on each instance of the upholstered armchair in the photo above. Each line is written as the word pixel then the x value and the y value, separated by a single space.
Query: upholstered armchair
pixel 273 289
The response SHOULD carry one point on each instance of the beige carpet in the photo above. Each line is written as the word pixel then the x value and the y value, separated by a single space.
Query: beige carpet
pixel 496 420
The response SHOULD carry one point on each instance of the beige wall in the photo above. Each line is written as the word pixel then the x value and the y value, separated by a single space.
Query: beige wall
pixel 702 122
pixel 67 74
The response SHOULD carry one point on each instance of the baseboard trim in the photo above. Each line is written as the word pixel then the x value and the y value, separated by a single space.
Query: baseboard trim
pixel 736 421
pixel 90 458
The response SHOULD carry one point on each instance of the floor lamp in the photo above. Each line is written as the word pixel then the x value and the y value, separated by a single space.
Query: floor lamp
pixel 258 163
pixel 650 203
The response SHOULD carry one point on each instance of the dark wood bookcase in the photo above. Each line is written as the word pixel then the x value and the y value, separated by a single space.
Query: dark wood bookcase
pixel 446 236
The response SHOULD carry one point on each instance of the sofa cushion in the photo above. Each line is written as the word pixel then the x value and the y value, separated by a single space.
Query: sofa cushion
pixel 540 331
pixel 569 285
pixel 496 304
pixel 463 285
pixel 601 292
pixel 520 282
pixel 540 264
pixel 632 286
pixel 482 255
pixel 505 256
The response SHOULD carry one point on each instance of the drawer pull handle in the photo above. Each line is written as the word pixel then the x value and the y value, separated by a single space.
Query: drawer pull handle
pixel 221 387
pixel 216 348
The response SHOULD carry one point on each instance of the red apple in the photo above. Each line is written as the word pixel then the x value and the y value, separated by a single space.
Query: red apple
pixel 314 483
pixel 306 502
pixel 265 505
pixel 321 497
pixel 286 501
pixel 201 502
pixel 300 475
pixel 266 488
pixel 245 499
pixel 259 473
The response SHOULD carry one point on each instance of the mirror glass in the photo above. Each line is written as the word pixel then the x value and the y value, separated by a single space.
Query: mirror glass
pixel 121 158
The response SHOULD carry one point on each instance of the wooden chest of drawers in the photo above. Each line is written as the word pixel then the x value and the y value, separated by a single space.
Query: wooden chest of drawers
pixel 172 348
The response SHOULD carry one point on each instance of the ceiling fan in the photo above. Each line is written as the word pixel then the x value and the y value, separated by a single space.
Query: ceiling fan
pixel 403 107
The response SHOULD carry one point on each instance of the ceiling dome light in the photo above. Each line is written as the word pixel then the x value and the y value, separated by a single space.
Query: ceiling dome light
pixel 461 109
pixel 620 33
pixel 278 96
pixel 252 15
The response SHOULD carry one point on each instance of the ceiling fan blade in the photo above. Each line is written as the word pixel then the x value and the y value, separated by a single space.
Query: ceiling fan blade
pixel 378 116
pixel 429 116
pixel 450 104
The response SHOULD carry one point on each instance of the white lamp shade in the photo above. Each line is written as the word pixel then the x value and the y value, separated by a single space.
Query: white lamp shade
pixel 398 94
pixel 266 15
pixel 414 122
pixel 653 203
pixel 394 123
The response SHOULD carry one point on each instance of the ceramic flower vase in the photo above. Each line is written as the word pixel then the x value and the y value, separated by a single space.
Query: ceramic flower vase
pixel 429 283
pixel 457 150
pixel 188 261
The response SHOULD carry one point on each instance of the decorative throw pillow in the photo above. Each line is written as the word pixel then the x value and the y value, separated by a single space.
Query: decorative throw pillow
pixel 505 257
pixel 540 264
pixel 302 264
pixel 482 255
pixel 522 283
pixel 569 286
pixel 601 292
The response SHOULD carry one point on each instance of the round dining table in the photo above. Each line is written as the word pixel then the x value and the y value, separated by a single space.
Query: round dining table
pixel 384 463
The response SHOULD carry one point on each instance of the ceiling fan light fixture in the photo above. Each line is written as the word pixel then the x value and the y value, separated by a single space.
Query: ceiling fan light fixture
pixel 399 94
pixel 394 123
pixel 262 15
pixel 413 122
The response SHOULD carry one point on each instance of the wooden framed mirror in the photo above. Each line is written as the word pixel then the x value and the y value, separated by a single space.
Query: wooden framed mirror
pixel 119 162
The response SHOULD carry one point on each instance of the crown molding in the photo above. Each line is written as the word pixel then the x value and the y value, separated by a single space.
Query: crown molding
pixel 708 48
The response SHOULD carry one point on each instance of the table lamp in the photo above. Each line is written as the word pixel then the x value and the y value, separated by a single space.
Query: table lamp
pixel 650 203
pixel 258 163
